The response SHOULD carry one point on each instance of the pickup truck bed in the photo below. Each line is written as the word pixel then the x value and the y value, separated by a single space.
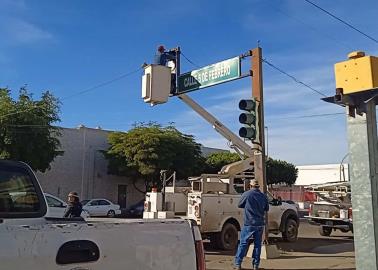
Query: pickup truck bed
pixel 30 241
pixel 98 245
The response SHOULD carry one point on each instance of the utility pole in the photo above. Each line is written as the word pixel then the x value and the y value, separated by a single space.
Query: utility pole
pixel 363 157
pixel 357 90
pixel 257 93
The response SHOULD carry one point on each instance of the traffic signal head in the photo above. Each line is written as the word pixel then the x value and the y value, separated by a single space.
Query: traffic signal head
pixel 248 118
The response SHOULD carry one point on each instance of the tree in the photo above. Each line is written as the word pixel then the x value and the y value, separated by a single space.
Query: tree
pixel 279 172
pixel 148 148
pixel 26 131
pixel 215 161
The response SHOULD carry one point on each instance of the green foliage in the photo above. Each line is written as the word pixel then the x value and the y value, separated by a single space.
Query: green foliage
pixel 147 149
pixel 26 133
pixel 280 172
pixel 215 161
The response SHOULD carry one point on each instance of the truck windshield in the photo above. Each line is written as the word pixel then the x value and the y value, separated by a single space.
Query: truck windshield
pixel 17 192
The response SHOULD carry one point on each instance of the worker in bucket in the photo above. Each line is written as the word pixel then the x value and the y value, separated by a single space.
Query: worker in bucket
pixel 163 58
pixel 255 204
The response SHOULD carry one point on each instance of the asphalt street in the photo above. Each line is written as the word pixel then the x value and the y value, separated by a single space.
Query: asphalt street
pixel 310 252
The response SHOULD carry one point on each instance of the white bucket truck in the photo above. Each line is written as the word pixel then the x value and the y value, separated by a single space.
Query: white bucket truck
pixel 212 199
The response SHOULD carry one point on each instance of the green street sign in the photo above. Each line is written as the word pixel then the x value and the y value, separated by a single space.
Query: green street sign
pixel 217 73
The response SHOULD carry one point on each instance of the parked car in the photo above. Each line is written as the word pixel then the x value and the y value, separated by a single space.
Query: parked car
pixel 135 210
pixel 101 208
pixel 56 207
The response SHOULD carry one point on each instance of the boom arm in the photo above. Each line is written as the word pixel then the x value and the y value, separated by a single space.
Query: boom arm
pixel 237 143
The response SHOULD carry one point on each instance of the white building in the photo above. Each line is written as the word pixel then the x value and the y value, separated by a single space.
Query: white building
pixel 83 168
pixel 320 174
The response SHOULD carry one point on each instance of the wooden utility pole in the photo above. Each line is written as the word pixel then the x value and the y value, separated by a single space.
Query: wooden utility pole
pixel 257 93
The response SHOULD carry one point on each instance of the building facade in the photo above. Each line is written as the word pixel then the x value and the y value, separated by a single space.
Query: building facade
pixel 83 168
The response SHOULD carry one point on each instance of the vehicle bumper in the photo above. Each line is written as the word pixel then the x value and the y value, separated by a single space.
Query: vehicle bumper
pixel 336 223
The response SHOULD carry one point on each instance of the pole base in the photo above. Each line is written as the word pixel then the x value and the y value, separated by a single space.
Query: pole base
pixel 267 252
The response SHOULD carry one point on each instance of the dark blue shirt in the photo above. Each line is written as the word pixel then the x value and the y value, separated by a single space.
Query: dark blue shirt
pixel 73 210
pixel 255 204
pixel 163 58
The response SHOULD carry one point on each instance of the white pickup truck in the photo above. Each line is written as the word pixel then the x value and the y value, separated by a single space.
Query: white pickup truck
pixel 29 240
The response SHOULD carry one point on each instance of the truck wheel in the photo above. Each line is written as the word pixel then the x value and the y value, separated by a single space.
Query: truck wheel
pixel 228 237
pixel 290 233
pixel 344 230
pixel 325 231
pixel 111 213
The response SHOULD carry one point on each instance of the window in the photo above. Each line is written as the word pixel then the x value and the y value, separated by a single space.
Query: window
pixel 51 202
pixel 18 195
pixel 103 202
pixel 84 202
pixel 94 203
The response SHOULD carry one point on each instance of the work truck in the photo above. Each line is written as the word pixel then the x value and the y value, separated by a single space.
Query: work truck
pixel 30 240
pixel 333 209
pixel 212 199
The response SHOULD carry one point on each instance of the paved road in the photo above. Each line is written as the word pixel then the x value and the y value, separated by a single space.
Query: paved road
pixel 310 252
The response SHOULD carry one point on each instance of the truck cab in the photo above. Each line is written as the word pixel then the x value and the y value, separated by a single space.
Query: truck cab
pixel 213 203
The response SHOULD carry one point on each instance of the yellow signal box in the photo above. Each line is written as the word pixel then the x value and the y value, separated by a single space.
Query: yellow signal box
pixel 359 73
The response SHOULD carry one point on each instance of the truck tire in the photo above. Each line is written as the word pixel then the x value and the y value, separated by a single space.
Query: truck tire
pixel 290 232
pixel 325 231
pixel 228 237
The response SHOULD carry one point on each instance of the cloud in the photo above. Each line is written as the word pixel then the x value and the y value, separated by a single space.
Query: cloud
pixel 18 31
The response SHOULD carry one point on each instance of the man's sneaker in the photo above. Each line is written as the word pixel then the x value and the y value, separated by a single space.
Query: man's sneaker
pixel 255 267
pixel 236 267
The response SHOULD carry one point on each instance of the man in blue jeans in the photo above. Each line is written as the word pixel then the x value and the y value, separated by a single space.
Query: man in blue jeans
pixel 255 204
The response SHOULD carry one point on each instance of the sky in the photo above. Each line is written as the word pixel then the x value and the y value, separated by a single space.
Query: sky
pixel 68 47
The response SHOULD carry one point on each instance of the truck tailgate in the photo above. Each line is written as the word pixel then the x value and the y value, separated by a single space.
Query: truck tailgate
pixel 135 244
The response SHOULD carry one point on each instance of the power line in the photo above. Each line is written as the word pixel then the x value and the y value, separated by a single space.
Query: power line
pixel 311 27
pixel 187 59
pixel 293 78
pixel 79 93
pixel 102 84
pixel 344 22
pixel 307 116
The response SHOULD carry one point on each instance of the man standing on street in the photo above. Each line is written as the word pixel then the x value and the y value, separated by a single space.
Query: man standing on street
pixel 255 204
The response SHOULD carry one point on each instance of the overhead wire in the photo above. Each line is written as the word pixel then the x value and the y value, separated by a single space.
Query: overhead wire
pixel 345 45
pixel 79 92
pixel 293 78
pixel 190 61
pixel 342 21
pixel 307 116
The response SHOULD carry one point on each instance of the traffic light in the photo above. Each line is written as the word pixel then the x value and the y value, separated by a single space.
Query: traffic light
pixel 249 119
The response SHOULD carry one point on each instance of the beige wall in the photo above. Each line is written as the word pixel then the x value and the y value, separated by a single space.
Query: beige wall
pixel 83 168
